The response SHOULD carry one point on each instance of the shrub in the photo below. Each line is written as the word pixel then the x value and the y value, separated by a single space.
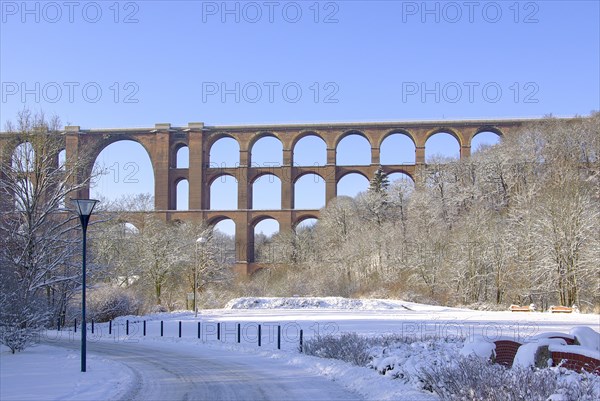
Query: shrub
pixel 21 324
pixel 107 303
pixel 348 347
pixel 470 379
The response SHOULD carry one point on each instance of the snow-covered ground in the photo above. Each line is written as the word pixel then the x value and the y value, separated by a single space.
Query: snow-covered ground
pixel 314 316
pixel 45 372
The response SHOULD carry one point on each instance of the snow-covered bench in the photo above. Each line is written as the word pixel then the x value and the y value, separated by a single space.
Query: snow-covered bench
pixel 518 308
pixel 560 309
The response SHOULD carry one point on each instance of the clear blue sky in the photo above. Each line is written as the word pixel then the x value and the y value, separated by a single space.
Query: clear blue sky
pixel 159 61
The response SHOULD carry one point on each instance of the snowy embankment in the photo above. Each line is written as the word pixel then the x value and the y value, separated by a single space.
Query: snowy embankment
pixel 322 303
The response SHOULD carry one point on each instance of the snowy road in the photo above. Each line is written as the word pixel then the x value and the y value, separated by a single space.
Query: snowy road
pixel 169 372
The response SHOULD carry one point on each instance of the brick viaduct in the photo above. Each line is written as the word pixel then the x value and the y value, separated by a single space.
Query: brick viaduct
pixel 164 141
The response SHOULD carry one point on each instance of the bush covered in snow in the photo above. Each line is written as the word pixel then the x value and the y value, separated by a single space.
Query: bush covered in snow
pixel 20 321
pixel 438 365
pixel 403 357
pixel 20 326
pixel 472 378
pixel 107 303
pixel 349 347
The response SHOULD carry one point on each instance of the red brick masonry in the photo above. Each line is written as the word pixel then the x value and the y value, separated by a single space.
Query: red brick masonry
pixel 576 362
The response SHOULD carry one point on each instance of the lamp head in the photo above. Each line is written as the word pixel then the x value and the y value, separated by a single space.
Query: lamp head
pixel 85 207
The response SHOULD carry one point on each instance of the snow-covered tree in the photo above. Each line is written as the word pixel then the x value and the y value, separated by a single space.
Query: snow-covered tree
pixel 39 238
pixel 380 181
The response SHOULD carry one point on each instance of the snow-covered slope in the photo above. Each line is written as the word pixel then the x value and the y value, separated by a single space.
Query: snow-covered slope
pixel 324 303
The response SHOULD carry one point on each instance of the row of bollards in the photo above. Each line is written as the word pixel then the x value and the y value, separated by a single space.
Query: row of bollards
pixel 180 330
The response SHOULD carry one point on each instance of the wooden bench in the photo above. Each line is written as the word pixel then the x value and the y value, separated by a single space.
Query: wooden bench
pixel 560 309
pixel 518 308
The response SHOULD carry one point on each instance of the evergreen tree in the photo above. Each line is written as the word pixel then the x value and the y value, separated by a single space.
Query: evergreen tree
pixel 380 182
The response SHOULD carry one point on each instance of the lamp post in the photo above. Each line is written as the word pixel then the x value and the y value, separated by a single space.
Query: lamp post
pixel 85 207
pixel 199 242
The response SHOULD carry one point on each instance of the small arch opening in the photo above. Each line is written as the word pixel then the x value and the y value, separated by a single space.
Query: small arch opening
pixel 353 150
pixel 441 147
pixel 397 149
pixel 267 152
pixel 307 224
pixel 224 153
pixel 484 140
pixel 224 193
pixel 266 193
pixel 352 184
pixel 309 192
pixel 310 151
pixel 401 184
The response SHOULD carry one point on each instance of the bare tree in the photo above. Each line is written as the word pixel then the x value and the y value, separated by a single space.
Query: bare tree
pixel 39 244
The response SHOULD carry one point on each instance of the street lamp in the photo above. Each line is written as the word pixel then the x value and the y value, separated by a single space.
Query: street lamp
pixel 199 242
pixel 85 207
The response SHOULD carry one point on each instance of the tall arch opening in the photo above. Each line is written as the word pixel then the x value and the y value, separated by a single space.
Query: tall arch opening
pixel 484 140
pixel 441 147
pixel 183 195
pixel 224 240
pixel 266 193
pixel 183 157
pixel 353 150
pixel 23 162
pixel 124 173
pixel 224 193
pixel 309 192
pixel 310 151
pixel 264 247
pixel 397 149
pixel 62 159
pixel 224 153
pixel 23 158
pixel 352 184
pixel 267 152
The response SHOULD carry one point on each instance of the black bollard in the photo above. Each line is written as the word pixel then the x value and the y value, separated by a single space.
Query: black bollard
pixel 259 336
pixel 278 337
